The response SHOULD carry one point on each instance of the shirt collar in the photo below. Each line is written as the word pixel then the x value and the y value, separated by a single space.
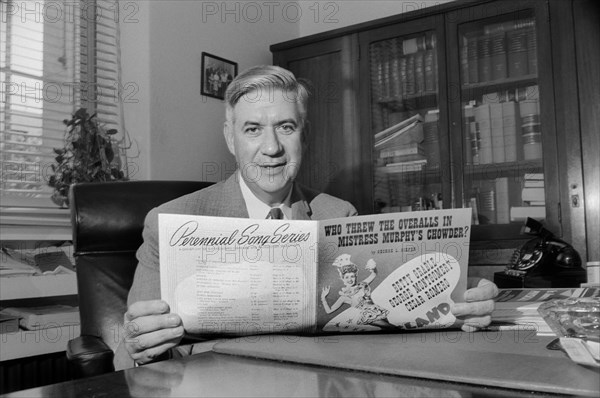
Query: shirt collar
pixel 257 209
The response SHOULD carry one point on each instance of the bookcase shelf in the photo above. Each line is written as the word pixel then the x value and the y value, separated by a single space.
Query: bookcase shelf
pixel 473 90
pixel 29 343
pixel 426 175
pixel 421 100
pixel 506 169
pixel 34 291
pixel 25 287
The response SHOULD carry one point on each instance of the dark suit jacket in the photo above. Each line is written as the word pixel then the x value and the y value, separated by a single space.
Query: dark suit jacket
pixel 223 199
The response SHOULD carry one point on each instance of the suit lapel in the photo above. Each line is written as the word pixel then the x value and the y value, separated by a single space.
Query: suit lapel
pixel 300 207
pixel 232 202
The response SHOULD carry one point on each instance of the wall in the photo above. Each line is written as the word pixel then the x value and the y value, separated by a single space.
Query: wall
pixel 178 132
pixel 323 15
pixel 135 59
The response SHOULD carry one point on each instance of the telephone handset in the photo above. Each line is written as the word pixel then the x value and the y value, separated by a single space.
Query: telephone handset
pixel 544 261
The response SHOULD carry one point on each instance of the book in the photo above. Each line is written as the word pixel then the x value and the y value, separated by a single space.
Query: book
pixel 419 72
pixel 510 114
pixel 403 159
pixel 43 317
pixel 431 140
pixel 12 264
pixel 411 80
pixel 469 117
pixel 48 260
pixel 487 202
pixel 406 132
pixel 517 62
pixel 386 272
pixel 484 133
pixel 498 52
pixel 9 324
pixel 406 166
pixel 472 57
pixel 502 201
pixel 497 132
pixel 533 183
pixel 396 81
pixel 536 203
pixel 521 213
pixel 430 66
pixel 533 194
pixel 484 60
pixel 532 66
pixel 401 150
pixel 464 60
pixel 534 177
pixel 54 262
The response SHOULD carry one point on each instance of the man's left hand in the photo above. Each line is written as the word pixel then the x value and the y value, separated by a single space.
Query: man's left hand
pixel 476 312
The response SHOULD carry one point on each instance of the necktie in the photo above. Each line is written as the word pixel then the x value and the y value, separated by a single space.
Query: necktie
pixel 275 214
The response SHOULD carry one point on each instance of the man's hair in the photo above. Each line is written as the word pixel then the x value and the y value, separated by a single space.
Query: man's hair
pixel 265 79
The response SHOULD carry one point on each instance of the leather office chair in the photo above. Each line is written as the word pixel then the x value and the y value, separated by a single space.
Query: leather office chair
pixel 107 220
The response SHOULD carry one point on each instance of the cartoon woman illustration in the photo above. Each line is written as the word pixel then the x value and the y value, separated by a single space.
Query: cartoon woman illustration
pixel 357 295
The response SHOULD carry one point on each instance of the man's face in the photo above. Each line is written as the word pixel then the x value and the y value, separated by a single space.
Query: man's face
pixel 265 136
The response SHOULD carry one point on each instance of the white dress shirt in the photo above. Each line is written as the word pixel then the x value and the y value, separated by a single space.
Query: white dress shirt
pixel 258 209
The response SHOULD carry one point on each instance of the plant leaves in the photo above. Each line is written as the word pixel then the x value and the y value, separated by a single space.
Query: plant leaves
pixel 110 155
pixel 81 114
pixel 88 154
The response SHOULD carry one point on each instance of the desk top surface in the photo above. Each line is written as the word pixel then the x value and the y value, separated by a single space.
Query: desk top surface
pixel 450 364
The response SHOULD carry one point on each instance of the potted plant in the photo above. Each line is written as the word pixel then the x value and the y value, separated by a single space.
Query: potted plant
pixel 90 154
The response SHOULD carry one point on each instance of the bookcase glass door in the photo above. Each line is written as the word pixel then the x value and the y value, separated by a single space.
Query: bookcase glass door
pixel 404 115
pixel 502 133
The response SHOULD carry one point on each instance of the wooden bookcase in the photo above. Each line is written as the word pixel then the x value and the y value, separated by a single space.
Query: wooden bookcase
pixel 345 65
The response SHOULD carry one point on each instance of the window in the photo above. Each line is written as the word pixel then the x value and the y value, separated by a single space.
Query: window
pixel 56 56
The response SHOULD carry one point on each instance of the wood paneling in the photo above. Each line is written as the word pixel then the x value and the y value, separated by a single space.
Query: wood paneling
pixel 333 161
pixel 587 38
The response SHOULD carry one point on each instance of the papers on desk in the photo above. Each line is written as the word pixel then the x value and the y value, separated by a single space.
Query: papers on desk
pixel 517 309
pixel 43 261
pixel 44 317
pixel 8 323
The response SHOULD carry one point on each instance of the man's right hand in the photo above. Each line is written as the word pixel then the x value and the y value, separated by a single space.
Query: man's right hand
pixel 151 330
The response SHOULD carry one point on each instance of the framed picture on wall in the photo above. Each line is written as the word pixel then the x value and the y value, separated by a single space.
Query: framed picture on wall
pixel 217 73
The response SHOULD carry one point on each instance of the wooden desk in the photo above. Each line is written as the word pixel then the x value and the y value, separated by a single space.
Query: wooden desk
pixel 420 364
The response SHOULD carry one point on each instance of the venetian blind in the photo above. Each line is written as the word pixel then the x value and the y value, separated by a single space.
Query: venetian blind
pixel 56 56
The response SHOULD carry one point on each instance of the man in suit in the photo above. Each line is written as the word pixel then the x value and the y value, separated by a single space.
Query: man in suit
pixel 265 130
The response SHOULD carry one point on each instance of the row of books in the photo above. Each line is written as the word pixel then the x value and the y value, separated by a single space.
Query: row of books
pixel 498 132
pixel 504 200
pixel 499 53
pixel 401 146
pixel 533 196
pixel 413 143
pixel 402 68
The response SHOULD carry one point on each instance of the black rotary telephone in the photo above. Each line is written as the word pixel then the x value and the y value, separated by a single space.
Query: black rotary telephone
pixel 544 261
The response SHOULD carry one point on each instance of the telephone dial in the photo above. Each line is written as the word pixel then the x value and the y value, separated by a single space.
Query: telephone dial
pixel 542 262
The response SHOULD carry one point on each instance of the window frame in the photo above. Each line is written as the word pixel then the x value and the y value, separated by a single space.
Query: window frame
pixel 95 28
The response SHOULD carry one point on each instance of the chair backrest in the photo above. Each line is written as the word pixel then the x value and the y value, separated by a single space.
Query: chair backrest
pixel 107 220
